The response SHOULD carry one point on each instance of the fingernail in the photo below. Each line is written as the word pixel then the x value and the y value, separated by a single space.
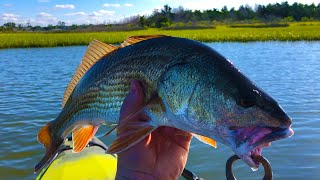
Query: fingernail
pixel 133 88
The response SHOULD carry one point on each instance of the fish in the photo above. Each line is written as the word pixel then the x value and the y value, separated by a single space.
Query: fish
pixel 187 85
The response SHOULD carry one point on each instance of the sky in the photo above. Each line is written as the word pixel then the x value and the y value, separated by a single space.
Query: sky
pixel 44 12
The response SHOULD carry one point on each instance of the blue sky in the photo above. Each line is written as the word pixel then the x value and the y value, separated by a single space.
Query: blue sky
pixel 44 12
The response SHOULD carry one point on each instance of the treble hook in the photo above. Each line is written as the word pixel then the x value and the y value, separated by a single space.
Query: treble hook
pixel 261 159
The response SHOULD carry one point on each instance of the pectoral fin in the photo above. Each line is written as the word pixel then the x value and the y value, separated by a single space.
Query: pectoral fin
pixel 130 134
pixel 81 137
pixel 206 140
pixel 131 131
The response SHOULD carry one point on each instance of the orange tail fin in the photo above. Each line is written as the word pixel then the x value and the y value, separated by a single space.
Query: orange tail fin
pixel 45 138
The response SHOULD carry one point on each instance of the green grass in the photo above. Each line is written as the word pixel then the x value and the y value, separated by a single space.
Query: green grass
pixel 272 25
pixel 296 31
pixel 188 27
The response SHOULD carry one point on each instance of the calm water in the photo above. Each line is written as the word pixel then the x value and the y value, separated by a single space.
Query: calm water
pixel 32 83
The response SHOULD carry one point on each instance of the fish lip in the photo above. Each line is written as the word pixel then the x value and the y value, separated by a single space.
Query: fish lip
pixel 276 134
pixel 254 149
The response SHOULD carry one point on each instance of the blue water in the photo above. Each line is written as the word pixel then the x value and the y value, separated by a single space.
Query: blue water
pixel 32 83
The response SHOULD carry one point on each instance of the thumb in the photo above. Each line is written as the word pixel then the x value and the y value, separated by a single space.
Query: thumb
pixel 133 101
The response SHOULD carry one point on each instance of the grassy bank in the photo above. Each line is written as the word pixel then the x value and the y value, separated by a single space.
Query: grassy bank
pixel 294 32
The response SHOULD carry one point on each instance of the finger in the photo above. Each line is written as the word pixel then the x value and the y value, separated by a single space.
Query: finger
pixel 176 132
pixel 183 138
pixel 180 137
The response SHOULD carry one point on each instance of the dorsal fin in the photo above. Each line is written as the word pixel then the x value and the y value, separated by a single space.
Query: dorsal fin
pixel 96 50
pixel 135 39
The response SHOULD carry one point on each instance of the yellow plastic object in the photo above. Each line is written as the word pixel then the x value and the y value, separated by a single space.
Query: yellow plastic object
pixel 91 163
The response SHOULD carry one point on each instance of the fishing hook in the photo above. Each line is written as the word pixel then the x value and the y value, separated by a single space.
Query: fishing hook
pixel 267 167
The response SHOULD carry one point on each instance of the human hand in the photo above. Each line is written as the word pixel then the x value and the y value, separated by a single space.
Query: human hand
pixel 161 155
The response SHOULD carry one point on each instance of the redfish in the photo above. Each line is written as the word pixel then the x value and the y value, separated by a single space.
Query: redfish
pixel 187 85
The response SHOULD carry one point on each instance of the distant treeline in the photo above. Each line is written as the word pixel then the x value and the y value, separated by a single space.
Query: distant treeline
pixel 261 13
pixel 181 18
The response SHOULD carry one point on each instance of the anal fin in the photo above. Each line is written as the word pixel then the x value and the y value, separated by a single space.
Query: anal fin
pixel 44 136
pixel 206 140
pixel 81 137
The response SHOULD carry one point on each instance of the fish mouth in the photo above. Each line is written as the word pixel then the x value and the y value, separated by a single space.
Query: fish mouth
pixel 249 141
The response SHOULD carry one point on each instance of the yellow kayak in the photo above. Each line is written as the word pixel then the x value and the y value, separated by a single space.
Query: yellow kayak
pixel 91 163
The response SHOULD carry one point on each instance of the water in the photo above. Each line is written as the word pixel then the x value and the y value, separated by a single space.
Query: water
pixel 32 83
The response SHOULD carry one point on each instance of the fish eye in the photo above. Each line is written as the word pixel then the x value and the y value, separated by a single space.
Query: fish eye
pixel 246 103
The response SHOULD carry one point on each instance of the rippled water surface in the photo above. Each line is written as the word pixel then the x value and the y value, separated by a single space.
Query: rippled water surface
pixel 32 83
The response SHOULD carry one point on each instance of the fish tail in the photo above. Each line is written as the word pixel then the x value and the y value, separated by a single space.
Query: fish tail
pixel 51 145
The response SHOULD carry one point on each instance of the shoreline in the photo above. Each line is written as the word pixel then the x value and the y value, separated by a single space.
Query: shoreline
pixel 221 33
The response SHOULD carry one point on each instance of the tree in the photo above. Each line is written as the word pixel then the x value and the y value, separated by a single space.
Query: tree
pixel 166 11
pixel 9 25
pixel 20 27
pixel 142 21
pixel 198 15
pixel 74 27
pixel 224 13
pixel 61 25
pixel 245 13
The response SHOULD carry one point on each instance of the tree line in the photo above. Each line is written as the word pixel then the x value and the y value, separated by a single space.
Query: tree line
pixel 260 13
pixel 167 16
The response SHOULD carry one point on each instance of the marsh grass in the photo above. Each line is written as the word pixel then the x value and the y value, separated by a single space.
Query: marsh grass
pixel 294 32
pixel 272 25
